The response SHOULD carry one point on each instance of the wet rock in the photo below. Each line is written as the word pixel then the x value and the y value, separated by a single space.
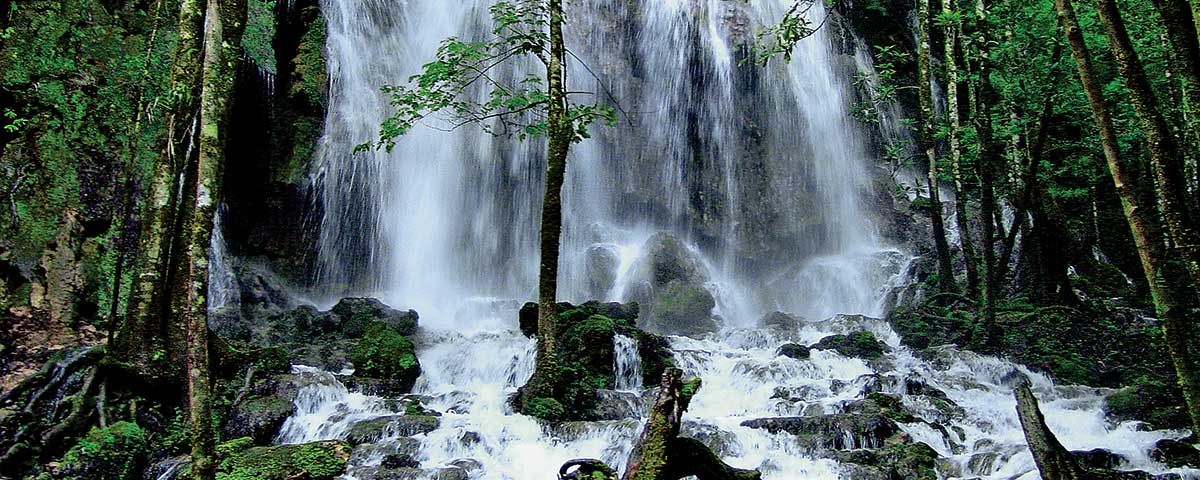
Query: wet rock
pixel 672 285
pixel 838 431
pixel 616 405
pixel 467 464
pixel 600 270
pixel 721 442
pixel 402 446
pixel 1175 453
pixel 410 473
pixel 259 416
pixel 793 350
pixel 375 429
pixel 859 344
pixel 1098 459
pixel 354 315
pixel 383 354
pixel 780 322
pixel 685 309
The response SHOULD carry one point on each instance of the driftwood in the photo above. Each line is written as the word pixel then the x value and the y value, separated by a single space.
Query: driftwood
pixel 660 454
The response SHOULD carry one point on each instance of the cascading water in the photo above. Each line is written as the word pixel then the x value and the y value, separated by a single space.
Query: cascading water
pixel 759 171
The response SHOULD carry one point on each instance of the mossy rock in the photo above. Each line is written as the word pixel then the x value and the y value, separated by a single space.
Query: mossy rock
pixel 682 308
pixel 383 353
pixel 356 315
pixel 793 350
pixel 312 461
pixel 545 408
pixel 372 430
pixel 258 417
pixel 1155 402
pixel 117 452
pixel 860 344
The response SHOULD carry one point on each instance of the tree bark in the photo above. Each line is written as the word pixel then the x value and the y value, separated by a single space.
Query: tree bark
pixel 1164 151
pixel 660 454
pixel 925 140
pixel 986 335
pixel 960 195
pixel 143 335
pixel 1168 303
pixel 1181 32
pixel 558 144
pixel 1053 460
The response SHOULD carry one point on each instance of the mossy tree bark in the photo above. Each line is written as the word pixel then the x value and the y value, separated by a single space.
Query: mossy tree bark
pixel 224 24
pixel 951 61
pixel 660 454
pixel 1168 301
pixel 1165 154
pixel 983 98
pixel 145 333
pixel 1179 24
pixel 926 144
pixel 558 145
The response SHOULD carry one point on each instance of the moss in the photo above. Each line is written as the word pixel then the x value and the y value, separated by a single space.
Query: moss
pixel 545 409
pixel 117 453
pixel 311 73
pixel 384 353
pixel 313 461
pixel 1156 402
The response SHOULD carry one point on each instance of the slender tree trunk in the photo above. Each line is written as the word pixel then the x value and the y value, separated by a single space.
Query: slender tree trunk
pixel 985 165
pixel 560 136
pixel 925 139
pixel 142 337
pixel 1142 222
pixel 222 47
pixel 960 194
pixel 1163 148
pixel 1185 50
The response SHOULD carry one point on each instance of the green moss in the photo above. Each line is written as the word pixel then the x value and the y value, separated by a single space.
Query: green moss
pixel 114 453
pixel 384 353
pixel 545 409
pixel 311 74
pixel 1150 400
pixel 312 461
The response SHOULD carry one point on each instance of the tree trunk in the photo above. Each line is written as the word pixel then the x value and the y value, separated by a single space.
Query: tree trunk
pixel 985 163
pixel 1185 50
pixel 558 144
pixel 1163 148
pixel 1053 460
pixel 925 140
pixel 660 454
pixel 1142 222
pixel 960 195
pixel 223 31
pixel 142 336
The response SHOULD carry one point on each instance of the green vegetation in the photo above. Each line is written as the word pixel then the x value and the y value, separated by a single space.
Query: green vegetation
pixel 314 461
pixel 118 452
pixel 384 353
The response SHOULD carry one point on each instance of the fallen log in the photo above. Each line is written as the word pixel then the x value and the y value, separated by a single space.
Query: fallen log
pixel 660 454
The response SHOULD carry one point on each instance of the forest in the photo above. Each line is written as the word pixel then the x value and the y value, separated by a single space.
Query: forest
pixel 599 239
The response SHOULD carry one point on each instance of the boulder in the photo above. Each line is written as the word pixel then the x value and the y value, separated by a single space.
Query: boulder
pixel 859 344
pixel 375 429
pixel 837 431
pixel 616 405
pixel 793 350
pixel 600 269
pixel 384 354
pixel 1175 453
pixel 682 308
pixel 1098 459
pixel 354 315
pixel 780 322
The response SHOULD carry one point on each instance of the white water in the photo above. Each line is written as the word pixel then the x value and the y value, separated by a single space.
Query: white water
pixel 761 172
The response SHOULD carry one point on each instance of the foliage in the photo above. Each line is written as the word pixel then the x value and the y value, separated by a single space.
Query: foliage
pixel 466 81
pixel 117 452
pixel 781 38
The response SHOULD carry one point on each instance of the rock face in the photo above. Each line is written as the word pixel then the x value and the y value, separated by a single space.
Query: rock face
pixel 672 285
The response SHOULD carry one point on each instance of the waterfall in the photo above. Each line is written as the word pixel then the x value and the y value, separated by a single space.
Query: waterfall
pixel 222 283
pixel 627 363
pixel 759 172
